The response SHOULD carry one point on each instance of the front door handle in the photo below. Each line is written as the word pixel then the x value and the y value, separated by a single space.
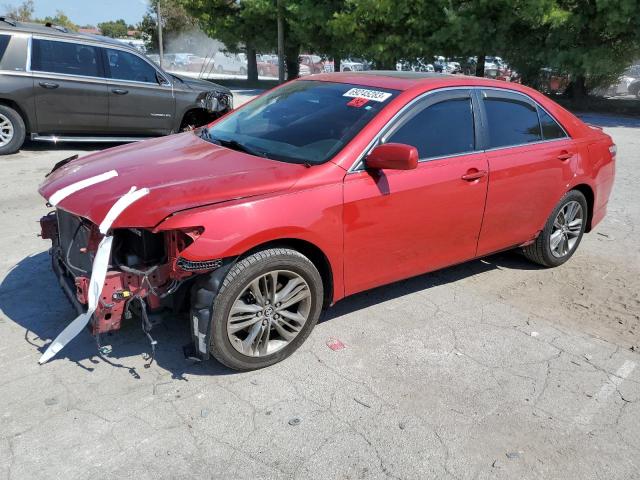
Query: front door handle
pixel 473 174
pixel 564 155
pixel 50 85
pixel 120 91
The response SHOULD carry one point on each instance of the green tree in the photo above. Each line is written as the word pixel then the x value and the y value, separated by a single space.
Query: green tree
pixel 593 41
pixel 386 31
pixel 114 29
pixel 60 19
pixel 175 20
pixel 22 12
pixel 246 25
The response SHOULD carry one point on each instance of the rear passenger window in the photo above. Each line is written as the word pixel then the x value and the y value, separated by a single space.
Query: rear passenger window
pixel 445 128
pixel 550 128
pixel 4 43
pixel 127 66
pixel 64 57
pixel 511 122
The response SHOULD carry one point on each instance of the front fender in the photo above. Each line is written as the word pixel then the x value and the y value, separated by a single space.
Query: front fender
pixel 233 228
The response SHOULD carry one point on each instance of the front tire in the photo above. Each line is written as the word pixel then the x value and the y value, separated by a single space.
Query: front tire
pixel 266 308
pixel 12 130
pixel 562 233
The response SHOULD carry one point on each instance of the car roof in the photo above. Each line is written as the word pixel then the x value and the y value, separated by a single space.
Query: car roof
pixel 55 31
pixel 400 80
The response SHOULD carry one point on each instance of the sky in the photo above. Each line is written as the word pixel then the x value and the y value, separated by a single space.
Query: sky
pixel 88 12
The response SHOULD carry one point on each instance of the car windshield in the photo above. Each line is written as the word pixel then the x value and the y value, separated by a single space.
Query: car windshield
pixel 301 122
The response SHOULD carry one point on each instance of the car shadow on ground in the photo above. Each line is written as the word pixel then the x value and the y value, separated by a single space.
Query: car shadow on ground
pixel 31 297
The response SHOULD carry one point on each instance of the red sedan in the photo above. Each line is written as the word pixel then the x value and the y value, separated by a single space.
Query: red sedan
pixel 319 189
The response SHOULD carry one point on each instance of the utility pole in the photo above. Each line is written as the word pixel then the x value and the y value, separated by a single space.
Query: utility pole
pixel 159 20
pixel 280 40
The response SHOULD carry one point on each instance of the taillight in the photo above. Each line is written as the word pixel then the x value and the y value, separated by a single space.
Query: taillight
pixel 613 150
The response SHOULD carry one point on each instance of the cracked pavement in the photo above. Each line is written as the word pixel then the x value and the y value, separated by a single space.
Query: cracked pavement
pixel 491 369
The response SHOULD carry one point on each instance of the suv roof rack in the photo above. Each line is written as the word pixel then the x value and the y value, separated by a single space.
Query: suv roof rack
pixel 60 28
pixel 8 20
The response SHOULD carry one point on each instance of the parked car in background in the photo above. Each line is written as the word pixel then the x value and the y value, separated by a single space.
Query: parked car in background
pixel 634 88
pixel 62 86
pixel 235 63
pixel 313 62
pixel 322 188
pixel 187 62
pixel 267 65
pixel 350 65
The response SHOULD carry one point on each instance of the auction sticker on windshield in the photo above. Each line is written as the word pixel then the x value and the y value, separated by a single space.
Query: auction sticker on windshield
pixel 375 95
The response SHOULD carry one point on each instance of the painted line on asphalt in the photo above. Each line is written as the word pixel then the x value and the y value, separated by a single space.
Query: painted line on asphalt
pixel 598 400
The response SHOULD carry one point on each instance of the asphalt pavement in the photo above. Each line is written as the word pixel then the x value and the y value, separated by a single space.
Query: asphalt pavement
pixel 492 369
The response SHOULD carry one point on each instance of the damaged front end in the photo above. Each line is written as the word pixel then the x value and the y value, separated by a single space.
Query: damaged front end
pixel 145 268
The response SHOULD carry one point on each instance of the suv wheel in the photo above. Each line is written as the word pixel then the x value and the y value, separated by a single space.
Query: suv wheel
pixel 12 130
pixel 562 233
pixel 266 307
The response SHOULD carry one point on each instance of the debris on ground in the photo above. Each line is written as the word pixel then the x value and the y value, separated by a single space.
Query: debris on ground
pixel 335 344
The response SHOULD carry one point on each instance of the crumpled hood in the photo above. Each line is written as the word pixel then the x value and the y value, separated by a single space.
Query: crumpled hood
pixel 202 85
pixel 181 171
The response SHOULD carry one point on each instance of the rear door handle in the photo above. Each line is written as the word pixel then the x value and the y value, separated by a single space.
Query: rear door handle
pixel 564 155
pixel 49 85
pixel 120 91
pixel 473 174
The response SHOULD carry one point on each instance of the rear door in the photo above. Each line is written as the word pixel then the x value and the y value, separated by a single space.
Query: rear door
pixel 531 161
pixel 403 223
pixel 70 87
pixel 141 100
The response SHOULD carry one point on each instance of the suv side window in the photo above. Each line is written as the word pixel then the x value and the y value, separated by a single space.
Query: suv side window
pixel 127 66
pixel 444 128
pixel 550 128
pixel 65 57
pixel 511 121
pixel 4 43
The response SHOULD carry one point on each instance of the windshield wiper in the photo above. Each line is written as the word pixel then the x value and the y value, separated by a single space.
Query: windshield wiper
pixel 233 144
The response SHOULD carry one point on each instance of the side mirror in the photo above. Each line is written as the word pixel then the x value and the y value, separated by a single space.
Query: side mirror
pixel 392 156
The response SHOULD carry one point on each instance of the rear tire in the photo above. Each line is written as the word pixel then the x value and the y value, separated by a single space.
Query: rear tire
pixel 231 342
pixel 562 233
pixel 12 130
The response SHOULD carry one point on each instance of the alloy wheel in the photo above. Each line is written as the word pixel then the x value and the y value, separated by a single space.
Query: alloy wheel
pixel 6 130
pixel 566 229
pixel 269 313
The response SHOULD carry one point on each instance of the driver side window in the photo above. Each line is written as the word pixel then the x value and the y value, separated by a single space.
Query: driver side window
pixel 444 128
pixel 126 66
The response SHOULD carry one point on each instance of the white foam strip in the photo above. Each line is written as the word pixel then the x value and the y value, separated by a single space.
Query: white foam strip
pixel 68 334
pixel 63 193
pixel 98 275
pixel 118 207
pixel 598 400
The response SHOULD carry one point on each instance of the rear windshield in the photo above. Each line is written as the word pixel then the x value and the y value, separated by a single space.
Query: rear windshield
pixel 302 122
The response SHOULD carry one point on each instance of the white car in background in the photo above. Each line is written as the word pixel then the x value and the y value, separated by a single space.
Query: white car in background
pixel 230 63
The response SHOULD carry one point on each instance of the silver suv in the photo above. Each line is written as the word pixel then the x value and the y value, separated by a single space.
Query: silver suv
pixel 57 85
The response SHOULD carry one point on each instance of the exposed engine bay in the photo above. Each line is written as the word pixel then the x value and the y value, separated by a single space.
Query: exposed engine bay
pixel 144 270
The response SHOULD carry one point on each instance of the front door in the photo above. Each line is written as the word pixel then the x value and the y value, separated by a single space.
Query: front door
pixel 531 161
pixel 140 101
pixel 70 88
pixel 402 223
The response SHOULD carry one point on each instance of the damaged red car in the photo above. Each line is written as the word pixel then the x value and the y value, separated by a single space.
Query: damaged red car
pixel 316 190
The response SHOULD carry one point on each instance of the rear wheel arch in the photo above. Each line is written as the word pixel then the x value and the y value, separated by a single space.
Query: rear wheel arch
pixel 587 191
pixel 13 105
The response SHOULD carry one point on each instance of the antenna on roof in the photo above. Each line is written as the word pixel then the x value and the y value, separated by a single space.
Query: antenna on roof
pixel 8 20
pixel 57 27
